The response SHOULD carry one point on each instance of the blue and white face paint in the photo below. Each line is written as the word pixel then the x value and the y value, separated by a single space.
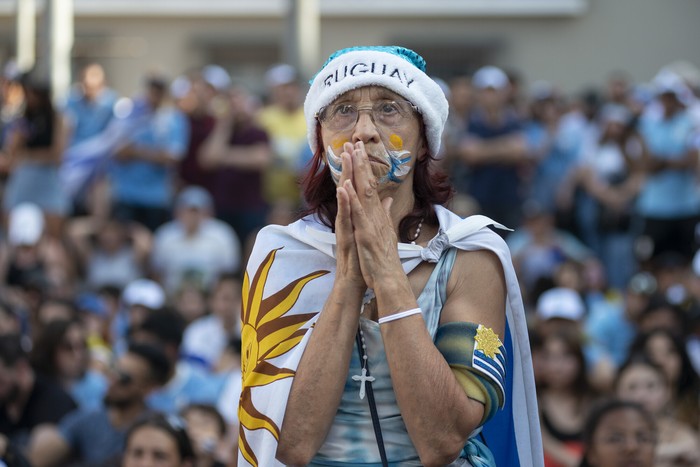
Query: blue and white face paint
pixel 397 159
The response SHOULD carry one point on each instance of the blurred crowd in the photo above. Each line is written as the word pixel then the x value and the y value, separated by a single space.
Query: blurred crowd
pixel 127 220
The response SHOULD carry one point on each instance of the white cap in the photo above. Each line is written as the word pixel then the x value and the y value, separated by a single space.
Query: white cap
pixel 280 74
pixel 490 77
pixel 26 224
pixel 144 292
pixel 560 302
pixel 217 77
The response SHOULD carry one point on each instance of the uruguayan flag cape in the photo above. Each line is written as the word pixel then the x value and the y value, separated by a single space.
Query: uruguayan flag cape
pixel 288 278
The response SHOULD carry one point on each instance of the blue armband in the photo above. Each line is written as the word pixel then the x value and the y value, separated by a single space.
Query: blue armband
pixel 477 357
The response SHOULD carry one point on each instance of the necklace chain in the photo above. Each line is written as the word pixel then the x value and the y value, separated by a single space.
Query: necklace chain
pixel 417 234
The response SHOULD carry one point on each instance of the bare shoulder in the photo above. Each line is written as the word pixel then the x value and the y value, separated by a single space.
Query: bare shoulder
pixel 476 290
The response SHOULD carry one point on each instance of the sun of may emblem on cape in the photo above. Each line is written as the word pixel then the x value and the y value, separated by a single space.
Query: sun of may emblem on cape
pixel 268 331
pixel 487 341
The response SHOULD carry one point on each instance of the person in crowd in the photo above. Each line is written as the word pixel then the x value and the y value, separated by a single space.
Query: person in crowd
pixel 460 94
pixel 192 96
pixel 194 246
pixel 190 301
pixel 61 354
pixel 32 154
pixel 97 436
pixel 157 439
pixel 205 339
pixel 669 201
pixel 23 258
pixel 539 248
pixel 667 350
pixel 564 398
pixel 660 313
pixel 141 174
pixel 87 112
pixel 207 430
pixel 375 121
pixel 642 381
pixel 613 325
pixel 185 383
pixel 283 120
pixel 618 433
pixel 549 146
pixel 111 252
pixel 495 148
pixel 138 299
pixel 27 399
pixel 610 175
pixel 237 154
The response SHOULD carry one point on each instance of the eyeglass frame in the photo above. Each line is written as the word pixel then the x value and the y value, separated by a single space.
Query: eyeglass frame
pixel 317 116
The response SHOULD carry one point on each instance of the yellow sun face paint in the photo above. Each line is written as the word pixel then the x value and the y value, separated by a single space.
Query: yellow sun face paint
pixel 396 142
pixel 338 143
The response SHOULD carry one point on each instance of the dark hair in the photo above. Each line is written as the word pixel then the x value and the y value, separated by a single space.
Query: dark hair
pixel 209 410
pixel 170 424
pixel 39 116
pixel 430 186
pixel 599 411
pixel 167 325
pixel 573 341
pixel 687 388
pixel 638 359
pixel 43 354
pixel 160 366
pixel 11 349
pixel 658 302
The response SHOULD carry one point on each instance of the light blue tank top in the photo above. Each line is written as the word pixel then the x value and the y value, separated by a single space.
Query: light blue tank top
pixel 351 439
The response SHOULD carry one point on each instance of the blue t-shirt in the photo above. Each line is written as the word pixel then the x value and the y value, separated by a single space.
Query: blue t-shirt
pixel 146 183
pixel 669 194
pixel 189 385
pixel 91 436
pixel 89 118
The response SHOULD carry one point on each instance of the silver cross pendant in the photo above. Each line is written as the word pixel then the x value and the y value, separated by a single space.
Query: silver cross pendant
pixel 362 378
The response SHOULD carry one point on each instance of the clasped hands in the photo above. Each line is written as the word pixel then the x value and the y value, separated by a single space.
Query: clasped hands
pixel 365 234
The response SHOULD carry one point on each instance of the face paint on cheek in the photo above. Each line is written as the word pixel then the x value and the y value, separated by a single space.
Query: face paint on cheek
pixel 398 160
pixel 334 164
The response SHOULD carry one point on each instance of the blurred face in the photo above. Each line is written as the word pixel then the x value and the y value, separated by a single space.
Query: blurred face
pixel 191 303
pixel 129 381
pixel 72 353
pixel 561 364
pixel 492 99
pixel 53 311
pixel 623 439
pixel 149 446
pixel 387 125
pixel 93 80
pixel 203 430
pixel 191 218
pixel 225 300
pixel 111 238
pixel 662 352
pixel 644 385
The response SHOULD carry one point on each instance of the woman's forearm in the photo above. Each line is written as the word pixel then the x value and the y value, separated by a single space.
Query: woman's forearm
pixel 320 378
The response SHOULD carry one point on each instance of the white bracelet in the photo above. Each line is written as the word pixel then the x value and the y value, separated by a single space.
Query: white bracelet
pixel 399 315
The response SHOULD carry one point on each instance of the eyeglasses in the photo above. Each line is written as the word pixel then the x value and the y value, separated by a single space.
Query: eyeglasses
pixel 388 114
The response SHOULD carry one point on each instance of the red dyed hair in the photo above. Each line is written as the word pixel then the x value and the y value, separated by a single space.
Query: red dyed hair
pixel 430 186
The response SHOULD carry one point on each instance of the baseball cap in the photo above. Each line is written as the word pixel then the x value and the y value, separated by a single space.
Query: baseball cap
pixel 490 77
pixel 217 77
pixel 26 224
pixel 194 197
pixel 560 302
pixel 144 292
pixel 280 74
